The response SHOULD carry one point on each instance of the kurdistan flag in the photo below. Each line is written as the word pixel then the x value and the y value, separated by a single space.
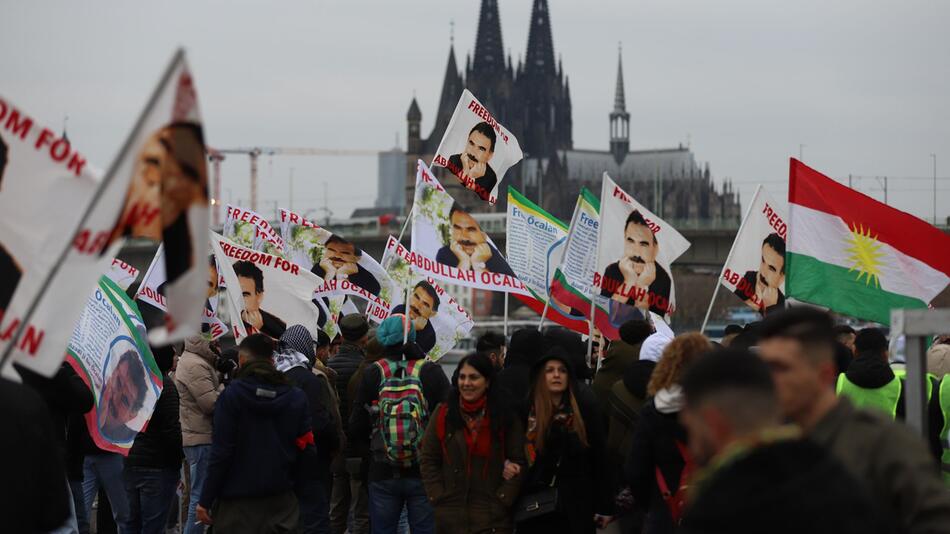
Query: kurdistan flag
pixel 858 256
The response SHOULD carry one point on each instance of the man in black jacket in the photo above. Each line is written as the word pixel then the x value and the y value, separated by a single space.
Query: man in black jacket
pixel 760 476
pixel 294 357
pixel 261 429
pixel 66 396
pixel 391 486
pixel 154 461
pixel 347 487
pixel 35 496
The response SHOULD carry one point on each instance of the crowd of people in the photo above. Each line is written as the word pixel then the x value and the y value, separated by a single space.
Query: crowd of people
pixel 792 424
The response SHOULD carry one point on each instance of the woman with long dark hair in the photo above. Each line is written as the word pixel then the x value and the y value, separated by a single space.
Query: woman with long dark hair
pixel 471 453
pixel 565 487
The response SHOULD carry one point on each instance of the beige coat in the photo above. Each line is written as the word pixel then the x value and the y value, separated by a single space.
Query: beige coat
pixel 198 386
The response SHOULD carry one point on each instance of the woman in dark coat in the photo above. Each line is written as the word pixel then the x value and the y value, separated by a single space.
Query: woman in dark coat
pixel 658 432
pixel 472 453
pixel 564 447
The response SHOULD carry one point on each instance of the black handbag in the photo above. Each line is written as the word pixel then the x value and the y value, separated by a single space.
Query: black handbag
pixel 538 504
pixel 535 505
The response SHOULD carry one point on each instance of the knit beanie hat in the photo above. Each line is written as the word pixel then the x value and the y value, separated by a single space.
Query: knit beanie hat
pixel 353 327
pixel 392 330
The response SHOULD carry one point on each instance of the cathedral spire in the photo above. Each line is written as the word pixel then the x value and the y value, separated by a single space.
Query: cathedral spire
pixel 540 54
pixel 619 118
pixel 489 58
pixel 620 103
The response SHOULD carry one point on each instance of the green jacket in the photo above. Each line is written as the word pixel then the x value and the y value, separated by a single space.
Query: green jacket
pixel 892 462
pixel 619 356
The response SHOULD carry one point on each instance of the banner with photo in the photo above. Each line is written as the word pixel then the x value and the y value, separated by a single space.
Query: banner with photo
pixel 344 267
pixel 572 286
pixel 108 349
pixel 535 243
pixel 251 229
pixel 123 274
pixel 477 149
pixel 635 251
pixel 152 292
pixel 46 187
pixel 439 320
pixel 265 293
pixel 449 244
pixel 755 268
pixel 166 200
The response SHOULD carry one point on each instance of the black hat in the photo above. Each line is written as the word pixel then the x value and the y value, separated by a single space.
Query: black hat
pixel 353 327
pixel 524 346
pixel 553 353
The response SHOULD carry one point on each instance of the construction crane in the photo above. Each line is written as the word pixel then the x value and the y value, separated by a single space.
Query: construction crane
pixel 216 156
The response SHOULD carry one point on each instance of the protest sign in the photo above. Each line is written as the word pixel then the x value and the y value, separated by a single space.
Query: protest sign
pixel 755 268
pixel 572 286
pixel 152 292
pixel 166 199
pixel 50 244
pixel 250 229
pixel 439 320
pixel 345 268
pixel 535 243
pixel 109 352
pixel 448 243
pixel 477 149
pixel 123 274
pixel 635 250
pixel 265 293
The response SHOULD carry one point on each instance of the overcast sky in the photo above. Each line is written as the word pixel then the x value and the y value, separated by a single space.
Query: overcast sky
pixel 864 85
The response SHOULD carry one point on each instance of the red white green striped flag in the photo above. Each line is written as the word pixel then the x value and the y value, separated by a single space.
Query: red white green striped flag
pixel 857 256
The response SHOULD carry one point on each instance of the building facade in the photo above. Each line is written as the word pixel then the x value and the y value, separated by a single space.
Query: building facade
pixel 533 100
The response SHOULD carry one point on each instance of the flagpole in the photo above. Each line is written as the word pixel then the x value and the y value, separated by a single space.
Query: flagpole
pixel 506 316
pixel 590 327
pixel 590 332
pixel 103 186
pixel 406 223
pixel 748 213
pixel 544 312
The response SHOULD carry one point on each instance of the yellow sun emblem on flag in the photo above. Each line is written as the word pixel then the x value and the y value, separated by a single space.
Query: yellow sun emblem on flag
pixel 865 255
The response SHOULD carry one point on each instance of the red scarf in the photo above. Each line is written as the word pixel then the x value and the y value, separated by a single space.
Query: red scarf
pixel 477 430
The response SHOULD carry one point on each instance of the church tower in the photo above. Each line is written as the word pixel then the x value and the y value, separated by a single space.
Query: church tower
pixel 619 118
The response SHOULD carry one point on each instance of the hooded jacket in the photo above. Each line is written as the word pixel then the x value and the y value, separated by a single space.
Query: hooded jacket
pixel 514 380
pixel 261 428
pixel 345 363
pixel 579 472
pixel 198 386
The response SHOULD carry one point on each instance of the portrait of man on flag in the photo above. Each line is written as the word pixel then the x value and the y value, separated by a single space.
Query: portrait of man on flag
pixel 469 248
pixel 761 289
pixel 636 279
pixel 10 269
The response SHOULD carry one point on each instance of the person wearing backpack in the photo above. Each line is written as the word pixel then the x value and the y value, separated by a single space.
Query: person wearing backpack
pixel 658 468
pixel 390 412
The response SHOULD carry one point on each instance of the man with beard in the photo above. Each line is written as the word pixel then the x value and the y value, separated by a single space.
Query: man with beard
pixel 635 280
pixel 256 319
pixel 122 398
pixel 468 247
pixel 471 166
pixel 423 305
pixel 10 270
pixel 341 262
pixel 761 289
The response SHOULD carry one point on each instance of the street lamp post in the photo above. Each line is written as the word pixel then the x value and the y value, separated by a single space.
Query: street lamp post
pixel 934 157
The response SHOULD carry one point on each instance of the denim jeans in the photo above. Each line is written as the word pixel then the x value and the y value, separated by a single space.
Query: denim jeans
pixel 387 499
pixel 105 470
pixel 314 507
pixel 197 456
pixel 150 492
pixel 79 502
